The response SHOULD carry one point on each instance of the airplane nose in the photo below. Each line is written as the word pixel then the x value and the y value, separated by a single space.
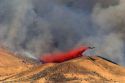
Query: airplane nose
pixel 91 47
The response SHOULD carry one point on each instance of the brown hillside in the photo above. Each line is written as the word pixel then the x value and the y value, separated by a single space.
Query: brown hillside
pixel 79 70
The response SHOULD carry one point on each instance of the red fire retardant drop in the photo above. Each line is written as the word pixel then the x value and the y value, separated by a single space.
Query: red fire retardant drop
pixel 61 57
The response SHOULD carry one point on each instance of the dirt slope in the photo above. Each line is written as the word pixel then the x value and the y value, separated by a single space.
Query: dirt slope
pixel 79 70
pixel 10 64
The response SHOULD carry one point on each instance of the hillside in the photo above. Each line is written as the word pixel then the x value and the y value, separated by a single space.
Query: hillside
pixel 79 70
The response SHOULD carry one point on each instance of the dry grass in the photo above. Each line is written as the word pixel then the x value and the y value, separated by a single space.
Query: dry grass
pixel 80 70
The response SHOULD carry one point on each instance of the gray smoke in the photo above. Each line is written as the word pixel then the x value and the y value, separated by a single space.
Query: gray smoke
pixel 34 27
pixel 111 21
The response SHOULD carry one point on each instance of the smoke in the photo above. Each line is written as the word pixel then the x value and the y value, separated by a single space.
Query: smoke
pixel 111 21
pixel 34 27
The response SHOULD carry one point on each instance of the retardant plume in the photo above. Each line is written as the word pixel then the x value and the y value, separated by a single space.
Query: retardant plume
pixel 61 56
